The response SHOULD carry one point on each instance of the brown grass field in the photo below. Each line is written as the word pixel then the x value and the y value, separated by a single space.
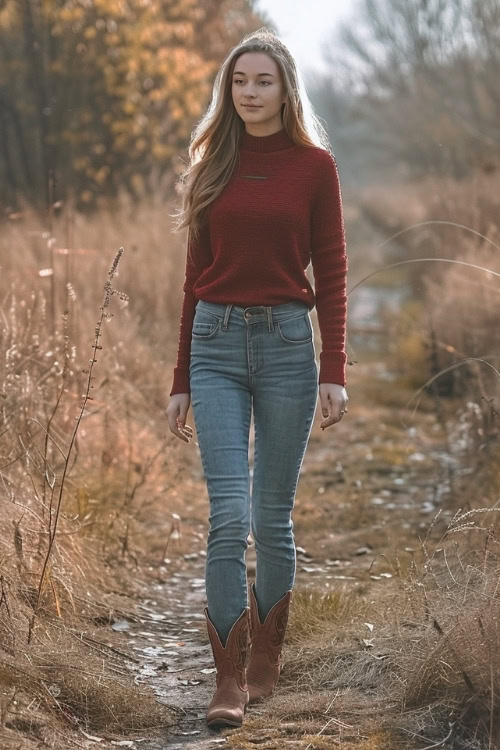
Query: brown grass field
pixel 394 628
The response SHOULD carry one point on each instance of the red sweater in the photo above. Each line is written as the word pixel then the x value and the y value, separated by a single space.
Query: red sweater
pixel 258 241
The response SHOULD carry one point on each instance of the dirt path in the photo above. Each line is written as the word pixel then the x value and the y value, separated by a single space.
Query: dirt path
pixel 366 488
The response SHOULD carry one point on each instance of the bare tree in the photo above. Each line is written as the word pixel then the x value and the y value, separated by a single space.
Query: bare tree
pixel 423 74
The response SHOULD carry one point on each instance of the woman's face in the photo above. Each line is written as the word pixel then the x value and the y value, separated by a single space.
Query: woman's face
pixel 257 81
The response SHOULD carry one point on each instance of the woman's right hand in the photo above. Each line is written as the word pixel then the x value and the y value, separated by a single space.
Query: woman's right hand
pixel 177 410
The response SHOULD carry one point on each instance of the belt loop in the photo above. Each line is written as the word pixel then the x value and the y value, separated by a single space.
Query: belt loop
pixel 226 316
pixel 270 319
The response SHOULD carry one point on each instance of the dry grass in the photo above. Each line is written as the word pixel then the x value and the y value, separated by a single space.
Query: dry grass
pixel 82 501
pixel 72 673
pixel 421 660
pixel 82 688
pixel 453 312
pixel 400 668
pixel 417 664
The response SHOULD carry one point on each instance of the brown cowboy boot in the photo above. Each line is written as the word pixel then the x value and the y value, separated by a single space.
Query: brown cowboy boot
pixel 228 705
pixel 264 666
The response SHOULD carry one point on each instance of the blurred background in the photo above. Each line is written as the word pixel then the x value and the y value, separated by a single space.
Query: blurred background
pixel 98 99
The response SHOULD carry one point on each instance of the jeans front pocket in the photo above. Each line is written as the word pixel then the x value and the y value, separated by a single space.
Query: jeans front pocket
pixel 297 330
pixel 205 325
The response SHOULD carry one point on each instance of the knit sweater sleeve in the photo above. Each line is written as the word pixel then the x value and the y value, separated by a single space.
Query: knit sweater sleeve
pixel 330 264
pixel 199 256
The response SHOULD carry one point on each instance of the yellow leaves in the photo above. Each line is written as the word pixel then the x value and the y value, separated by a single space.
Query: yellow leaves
pixel 56 66
pixel 156 95
pixel 112 39
pixel 192 103
pixel 119 66
pixel 184 31
pixel 101 175
pixel 162 152
pixel 116 8
pixel 176 112
pixel 129 107
pixel 8 14
pixel 145 57
pixel 71 13
pixel 133 65
pixel 119 127
pixel 80 163
pixel 150 33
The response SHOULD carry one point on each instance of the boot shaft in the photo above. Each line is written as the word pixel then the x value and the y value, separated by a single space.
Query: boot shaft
pixel 270 634
pixel 232 658
pixel 229 702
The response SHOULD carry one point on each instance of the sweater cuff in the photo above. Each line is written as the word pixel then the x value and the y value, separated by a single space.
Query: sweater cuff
pixel 180 382
pixel 332 368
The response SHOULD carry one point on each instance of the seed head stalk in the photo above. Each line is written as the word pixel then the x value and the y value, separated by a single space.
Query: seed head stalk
pixel 108 293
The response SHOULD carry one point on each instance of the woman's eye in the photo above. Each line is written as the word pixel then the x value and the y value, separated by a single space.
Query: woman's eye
pixel 238 80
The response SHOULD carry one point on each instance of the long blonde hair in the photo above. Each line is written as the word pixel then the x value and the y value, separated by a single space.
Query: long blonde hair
pixel 213 149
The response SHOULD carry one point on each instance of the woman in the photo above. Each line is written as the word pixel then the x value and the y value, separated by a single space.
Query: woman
pixel 262 200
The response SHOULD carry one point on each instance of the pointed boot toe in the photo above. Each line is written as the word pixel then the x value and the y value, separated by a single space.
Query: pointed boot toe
pixel 228 705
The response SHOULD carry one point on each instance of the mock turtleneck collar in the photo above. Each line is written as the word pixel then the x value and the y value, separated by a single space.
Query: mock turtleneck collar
pixel 265 143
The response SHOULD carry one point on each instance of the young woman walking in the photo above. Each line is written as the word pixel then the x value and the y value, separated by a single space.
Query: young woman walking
pixel 262 200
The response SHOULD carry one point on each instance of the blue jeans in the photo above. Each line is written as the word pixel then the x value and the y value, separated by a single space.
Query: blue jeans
pixel 241 357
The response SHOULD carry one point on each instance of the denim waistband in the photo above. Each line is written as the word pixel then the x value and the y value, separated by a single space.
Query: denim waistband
pixel 254 313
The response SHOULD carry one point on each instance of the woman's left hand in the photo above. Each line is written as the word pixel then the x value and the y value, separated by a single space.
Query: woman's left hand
pixel 333 403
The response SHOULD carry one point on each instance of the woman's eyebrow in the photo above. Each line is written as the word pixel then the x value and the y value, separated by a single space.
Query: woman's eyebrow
pixel 241 73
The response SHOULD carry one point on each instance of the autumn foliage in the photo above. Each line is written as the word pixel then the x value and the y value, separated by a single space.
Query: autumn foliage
pixel 101 95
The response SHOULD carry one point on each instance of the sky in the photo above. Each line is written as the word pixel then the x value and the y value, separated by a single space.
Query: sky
pixel 303 25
